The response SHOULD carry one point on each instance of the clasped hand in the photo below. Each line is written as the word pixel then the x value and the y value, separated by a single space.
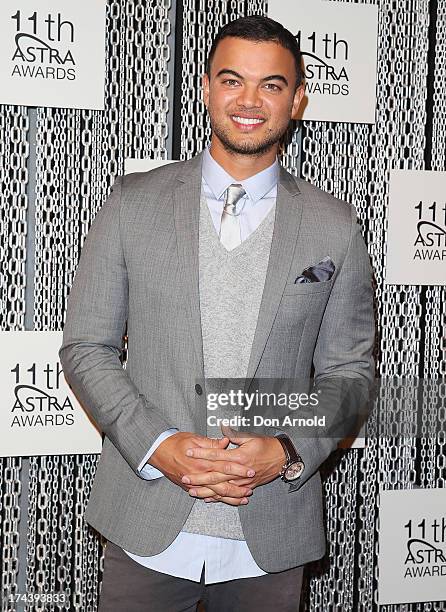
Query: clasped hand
pixel 207 469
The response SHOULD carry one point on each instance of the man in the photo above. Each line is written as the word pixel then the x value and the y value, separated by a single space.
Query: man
pixel 199 260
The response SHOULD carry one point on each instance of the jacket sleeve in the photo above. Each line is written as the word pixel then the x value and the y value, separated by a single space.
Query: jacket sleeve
pixel 93 341
pixel 343 358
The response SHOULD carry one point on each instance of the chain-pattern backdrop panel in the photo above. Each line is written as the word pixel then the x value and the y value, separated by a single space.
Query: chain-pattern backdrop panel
pixel 434 458
pixel 78 155
pixel 10 489
pixel 14 152
pixel 353 162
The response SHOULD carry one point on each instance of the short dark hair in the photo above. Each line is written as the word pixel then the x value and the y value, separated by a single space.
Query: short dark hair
pixel 257 29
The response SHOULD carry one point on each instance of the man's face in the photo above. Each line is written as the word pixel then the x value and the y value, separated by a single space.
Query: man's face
pixel 251 95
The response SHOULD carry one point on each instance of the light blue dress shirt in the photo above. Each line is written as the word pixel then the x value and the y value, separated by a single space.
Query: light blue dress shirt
pixel 223 558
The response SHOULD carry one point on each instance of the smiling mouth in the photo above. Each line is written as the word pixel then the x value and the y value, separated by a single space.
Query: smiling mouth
pixel 247 122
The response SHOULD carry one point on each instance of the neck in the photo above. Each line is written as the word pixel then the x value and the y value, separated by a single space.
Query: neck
pixel 238 165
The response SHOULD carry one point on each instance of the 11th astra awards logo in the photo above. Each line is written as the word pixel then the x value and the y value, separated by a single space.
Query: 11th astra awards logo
pixel 322 76
pixel 39 399
pixel 430 242
pixel 41 47
pixel 425 553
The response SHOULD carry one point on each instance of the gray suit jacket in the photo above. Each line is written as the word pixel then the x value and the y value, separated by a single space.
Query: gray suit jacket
pixel 139 267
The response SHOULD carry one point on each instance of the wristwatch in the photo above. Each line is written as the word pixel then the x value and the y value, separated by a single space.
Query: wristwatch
pixel 294 465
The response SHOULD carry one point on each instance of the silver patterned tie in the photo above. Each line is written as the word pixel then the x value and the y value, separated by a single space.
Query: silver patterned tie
pixel 230 221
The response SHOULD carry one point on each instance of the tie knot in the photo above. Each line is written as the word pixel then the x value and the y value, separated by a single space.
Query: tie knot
pixel 233 194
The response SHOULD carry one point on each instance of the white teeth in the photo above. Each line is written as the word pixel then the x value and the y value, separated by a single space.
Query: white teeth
pixel 246 121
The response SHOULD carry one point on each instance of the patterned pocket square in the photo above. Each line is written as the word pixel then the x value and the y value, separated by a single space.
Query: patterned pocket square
pixel 322 271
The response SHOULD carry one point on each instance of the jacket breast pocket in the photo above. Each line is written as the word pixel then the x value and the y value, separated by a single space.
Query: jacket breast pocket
pixel 303 305
pixel 296 324
pixel 307 288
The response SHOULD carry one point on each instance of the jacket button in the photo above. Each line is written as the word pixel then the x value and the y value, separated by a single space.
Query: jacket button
pixel 198 389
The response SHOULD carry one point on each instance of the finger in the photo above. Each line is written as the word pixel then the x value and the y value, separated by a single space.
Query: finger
pixel 234 435
pixel 229 468
pixel 234 468
pixel 231 501
pixel 205 478
pixel 215 454
pixel 202 492
pixel 224 489
pixel 242 482
pixel 204 442
pixel 222 442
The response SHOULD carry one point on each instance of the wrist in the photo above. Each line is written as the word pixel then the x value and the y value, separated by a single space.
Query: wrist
pixel 157 457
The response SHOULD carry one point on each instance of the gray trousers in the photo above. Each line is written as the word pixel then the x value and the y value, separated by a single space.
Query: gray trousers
pixel 128 586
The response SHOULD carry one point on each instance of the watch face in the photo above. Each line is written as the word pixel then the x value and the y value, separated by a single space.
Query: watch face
pixel 294 470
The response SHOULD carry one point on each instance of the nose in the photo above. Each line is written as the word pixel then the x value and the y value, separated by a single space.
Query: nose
pixel 249 97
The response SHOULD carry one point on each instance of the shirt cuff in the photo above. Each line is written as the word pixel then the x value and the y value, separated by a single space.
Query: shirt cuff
pixel 149 472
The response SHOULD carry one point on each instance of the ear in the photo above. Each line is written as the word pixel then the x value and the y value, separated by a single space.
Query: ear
pixel 300 92
pixel 205 84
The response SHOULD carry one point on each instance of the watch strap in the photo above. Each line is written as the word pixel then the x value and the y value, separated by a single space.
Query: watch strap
pixel 291 453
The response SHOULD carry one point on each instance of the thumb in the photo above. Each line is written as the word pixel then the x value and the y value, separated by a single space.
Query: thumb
pixel 223 442
pixel 236 437
pixel 205 442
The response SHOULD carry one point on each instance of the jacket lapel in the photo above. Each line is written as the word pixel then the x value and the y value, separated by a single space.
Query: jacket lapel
pixel 186 201
pixel 186 198
pixel 286 227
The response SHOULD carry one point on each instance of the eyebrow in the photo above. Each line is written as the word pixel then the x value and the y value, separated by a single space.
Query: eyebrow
pixel 271 77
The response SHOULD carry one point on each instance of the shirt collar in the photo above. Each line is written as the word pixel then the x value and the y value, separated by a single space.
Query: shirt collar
pixel 256 186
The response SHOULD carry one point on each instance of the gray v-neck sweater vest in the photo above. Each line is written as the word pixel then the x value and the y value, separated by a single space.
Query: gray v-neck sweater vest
pixel 230 286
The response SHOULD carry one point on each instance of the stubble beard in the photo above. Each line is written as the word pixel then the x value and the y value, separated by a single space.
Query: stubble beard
pixel 254 149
